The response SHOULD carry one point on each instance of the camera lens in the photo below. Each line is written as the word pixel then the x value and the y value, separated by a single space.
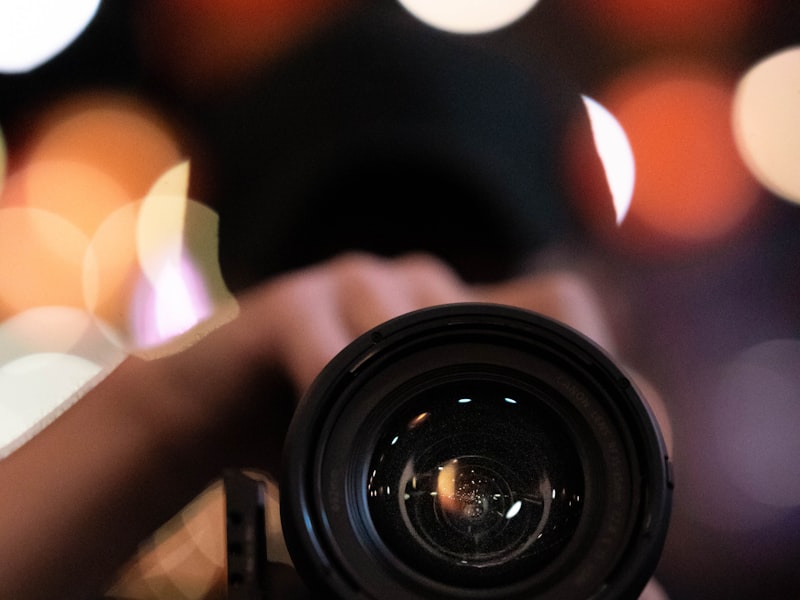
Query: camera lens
pixel 474 451
pixel 475 480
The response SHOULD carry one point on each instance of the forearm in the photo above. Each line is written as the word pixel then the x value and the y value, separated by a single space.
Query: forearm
pixel 77 499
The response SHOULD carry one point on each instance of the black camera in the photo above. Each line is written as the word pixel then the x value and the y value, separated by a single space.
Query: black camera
pixel 474 451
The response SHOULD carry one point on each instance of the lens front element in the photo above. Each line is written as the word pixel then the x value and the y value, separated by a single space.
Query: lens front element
pixel 475 481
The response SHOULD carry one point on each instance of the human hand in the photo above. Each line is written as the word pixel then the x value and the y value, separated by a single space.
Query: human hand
pixel 167 427
pixel 310 315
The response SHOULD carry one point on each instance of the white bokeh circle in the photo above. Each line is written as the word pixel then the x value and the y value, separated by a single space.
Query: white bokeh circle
pixel 468 16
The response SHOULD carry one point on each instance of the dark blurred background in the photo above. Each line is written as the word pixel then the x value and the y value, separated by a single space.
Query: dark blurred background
pixel 311 124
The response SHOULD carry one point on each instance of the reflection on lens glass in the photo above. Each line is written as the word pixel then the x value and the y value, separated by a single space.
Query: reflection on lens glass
pixel 474 482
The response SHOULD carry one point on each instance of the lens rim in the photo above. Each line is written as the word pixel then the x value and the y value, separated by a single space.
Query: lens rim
pixel 325 530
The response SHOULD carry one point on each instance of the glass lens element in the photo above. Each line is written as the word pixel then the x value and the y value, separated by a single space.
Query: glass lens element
pixel 475 481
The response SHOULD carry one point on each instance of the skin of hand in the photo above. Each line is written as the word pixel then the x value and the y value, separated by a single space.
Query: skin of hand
pixel 76 501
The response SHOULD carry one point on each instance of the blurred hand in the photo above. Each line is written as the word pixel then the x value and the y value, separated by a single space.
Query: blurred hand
pixel 168 426
pixel 311 315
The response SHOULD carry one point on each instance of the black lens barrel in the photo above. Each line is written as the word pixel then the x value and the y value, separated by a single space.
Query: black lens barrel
pixel 475 451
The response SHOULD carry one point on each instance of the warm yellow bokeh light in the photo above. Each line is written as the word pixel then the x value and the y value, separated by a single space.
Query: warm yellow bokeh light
pixel 111 268
pixel 3 160
pixel 121 136
pixel 181 287
pixel 162 220
pixel 77 192
pixel 41 260
pixel 468 16
pixel 766 120
pixel 79 292
pixel 185 558
pixel 34 31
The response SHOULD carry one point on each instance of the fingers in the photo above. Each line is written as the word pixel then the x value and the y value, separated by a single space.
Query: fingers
pixel 314 313
pixel 372 291
pixel 309 316
pixel 562 296
pixel 296 323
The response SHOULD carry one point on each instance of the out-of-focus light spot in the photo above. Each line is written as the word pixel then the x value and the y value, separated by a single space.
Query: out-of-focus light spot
pixel 111 268
pixel 71 304
pixel 446 487
pixel 757 423
pixel 162 219
pixel 41 260
pixel 34 31
pixel 616 155
pixel 46 328
pixel 746 474
pixel 175 310
pixel 418 420
pixel 176 246
pixel 58 329
pixel 34 389
pixel 669 22
pixel 77 192
pixel 46 355
pixel 201 244
pixel 468 16
pixel 3 160
pixel 766 119
pixel 691 186
pixel 168 307
pixel 513 511
pixel 119 135
pixel 186 556
pixel 237 36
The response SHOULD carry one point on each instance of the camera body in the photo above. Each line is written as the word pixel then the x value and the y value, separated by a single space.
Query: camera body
pixel 474 451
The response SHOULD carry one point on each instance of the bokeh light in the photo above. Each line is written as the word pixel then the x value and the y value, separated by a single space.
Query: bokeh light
pixel 77 192
pixel 468 16
pixel 616 155
pixel 757 423
pixel 691 185
pixel 111 269
pixel 168 306
pixel 766 119
pixel 119 135
pixel 71 294
pixel 180 287
pixel 47 354
pixel 161 221
pixel 35 388
pixel 46 328
pixel 236 37
pixel 34 31
pixel 748 475
pixel 3 160
pixel 185 559
pixel 41 260
pixel 663 23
